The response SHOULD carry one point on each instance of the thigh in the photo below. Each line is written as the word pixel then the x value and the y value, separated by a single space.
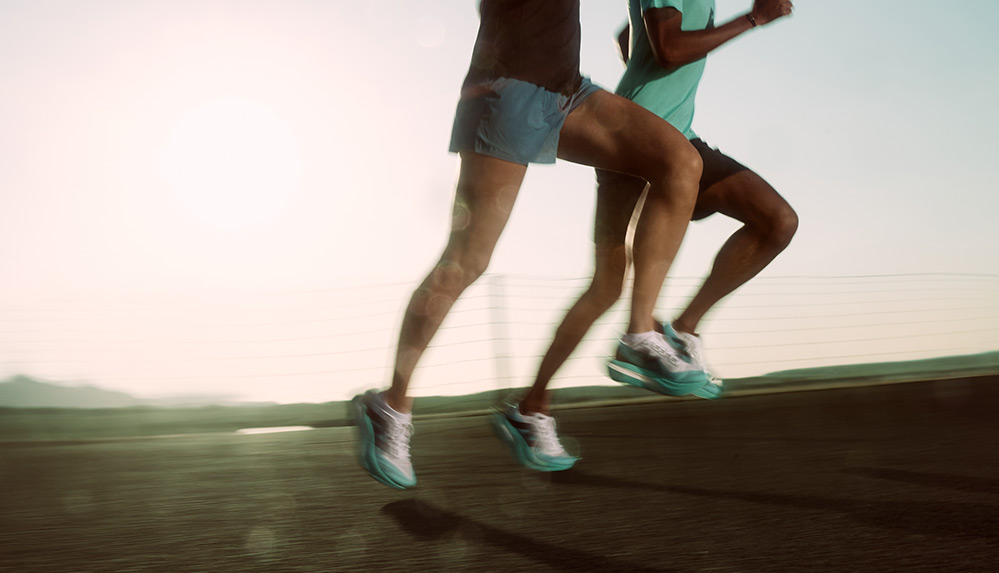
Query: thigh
pixel 610 132
pixel 485 195
pixel 617 196
pixel 744 196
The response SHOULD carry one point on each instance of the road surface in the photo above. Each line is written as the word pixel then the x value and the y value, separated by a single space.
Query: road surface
pixel 901 477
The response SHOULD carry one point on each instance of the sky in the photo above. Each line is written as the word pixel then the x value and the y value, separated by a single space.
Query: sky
pixel 235 197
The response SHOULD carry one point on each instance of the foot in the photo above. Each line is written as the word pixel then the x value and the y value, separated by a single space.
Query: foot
pixel 383 440
pixel 691 346
pixel 532 439
pixel 652 363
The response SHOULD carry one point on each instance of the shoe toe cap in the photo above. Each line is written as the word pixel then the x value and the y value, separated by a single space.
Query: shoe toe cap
pixel 553 463
pixel 400 477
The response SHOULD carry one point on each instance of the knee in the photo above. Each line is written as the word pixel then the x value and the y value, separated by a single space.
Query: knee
pixel 680 170
pixel 783 225
pixel 605 291
pixel 474 266
pixel 453 275
pixel 680 162
pixel 687 165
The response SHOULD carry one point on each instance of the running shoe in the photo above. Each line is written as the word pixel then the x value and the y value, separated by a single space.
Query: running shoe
pixel 383 440
pixel 692 348
pixel 531 438
pixel 652 363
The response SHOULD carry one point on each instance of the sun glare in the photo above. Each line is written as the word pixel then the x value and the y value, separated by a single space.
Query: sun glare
pixel 232 164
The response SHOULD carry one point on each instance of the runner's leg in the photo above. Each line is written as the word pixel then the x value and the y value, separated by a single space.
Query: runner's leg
pixel 617 197
pixel 611 132
pixel 769 225
pixel 486 191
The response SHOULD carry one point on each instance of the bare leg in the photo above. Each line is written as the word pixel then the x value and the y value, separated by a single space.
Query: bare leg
pixel 617 199
pixel 604 290
pixel 487 189
pixel 769 225
pixel 613 133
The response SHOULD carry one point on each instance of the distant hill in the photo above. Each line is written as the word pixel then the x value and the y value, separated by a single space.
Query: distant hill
pixel 985 363
pixel 27 392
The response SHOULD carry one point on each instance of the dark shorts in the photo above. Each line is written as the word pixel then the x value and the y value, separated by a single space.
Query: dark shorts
pixel 618 194
pixel 513 120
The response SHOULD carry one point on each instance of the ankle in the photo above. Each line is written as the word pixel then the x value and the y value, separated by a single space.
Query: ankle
pixel 647 324
pixel 633 338
pixel 685 328
pixel 402 405
pixel 528 408
pixel 533 403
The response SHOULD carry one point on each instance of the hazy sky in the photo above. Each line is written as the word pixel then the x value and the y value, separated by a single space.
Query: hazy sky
pixel 173 157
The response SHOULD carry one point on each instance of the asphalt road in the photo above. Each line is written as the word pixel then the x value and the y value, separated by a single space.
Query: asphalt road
pixel 900 477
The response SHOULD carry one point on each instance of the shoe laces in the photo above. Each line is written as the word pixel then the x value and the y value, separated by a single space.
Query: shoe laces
pixel 664 352
pixel 658 346
pixel 397 439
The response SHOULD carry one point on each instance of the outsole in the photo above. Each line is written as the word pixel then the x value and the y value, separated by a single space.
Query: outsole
pixel 625 373
pixel 366 453
pixel 710 391
pixel 518 449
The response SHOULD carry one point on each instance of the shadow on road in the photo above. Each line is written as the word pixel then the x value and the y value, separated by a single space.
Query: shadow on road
pixel 927 517
pixel 935 480
pixel 427 522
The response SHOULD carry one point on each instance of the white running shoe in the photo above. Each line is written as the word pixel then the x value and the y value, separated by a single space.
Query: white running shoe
pixel 532 439
pixel 691 346
pixel 384 440
pixel 654 364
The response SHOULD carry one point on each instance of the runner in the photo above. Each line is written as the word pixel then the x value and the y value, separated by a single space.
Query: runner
pixel 524 101
pixel 670 40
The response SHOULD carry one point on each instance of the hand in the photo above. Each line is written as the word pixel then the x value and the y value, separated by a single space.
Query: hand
pixel 766 11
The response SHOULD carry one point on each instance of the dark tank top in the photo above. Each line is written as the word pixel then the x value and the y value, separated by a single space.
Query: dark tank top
pixel 536 41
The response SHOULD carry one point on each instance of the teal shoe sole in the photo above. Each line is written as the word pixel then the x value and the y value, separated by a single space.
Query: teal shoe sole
pixel 625 373
pixel 710 391
pixel 521 451
pixel 367 455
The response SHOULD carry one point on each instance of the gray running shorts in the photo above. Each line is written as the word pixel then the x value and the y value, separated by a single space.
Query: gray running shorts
pixel 513 120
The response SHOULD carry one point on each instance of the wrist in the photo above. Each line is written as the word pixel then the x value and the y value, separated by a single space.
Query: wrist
pixel 752 20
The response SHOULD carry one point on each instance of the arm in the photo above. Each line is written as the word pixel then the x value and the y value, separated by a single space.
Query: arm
pixel 673 47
